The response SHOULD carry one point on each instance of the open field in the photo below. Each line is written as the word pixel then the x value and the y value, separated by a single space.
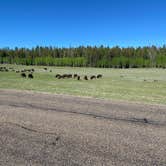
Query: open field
pixel 58 130
pixel 52 129
pixel 140 85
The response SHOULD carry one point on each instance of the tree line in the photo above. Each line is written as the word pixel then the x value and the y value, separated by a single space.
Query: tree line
pixel 105 57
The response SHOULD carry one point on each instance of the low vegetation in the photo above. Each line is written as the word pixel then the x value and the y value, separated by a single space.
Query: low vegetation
pixel 141 85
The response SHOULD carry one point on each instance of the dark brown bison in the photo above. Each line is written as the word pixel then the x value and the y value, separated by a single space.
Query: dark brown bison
pixel 23 75
pixel 85 78
pixel 99 76
pixel 57 75
pixel 30 76
pixel 78 77
pixel 4 69
pixel 93 77
pixel 64 76
pixel 69 75
pixel 75 75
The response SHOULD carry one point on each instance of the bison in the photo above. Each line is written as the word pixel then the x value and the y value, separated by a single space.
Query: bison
pixel 23 75
pixel 30 76
pixel 69 75
pixel 99 76
pixel 57 75
pixel 75 75
pixel 85 78
pixel 93 77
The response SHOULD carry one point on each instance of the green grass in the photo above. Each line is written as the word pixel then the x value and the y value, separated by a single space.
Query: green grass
pixel 130 87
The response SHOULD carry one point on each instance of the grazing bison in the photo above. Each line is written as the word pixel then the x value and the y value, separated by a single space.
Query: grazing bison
pixel 69 75
pixel 85 78
pixel 23 75
pixel 64 75
pixel 93 77
pixel 57 75
pixel 45 68
pixel 78 77
pixel 99 76
pixel 75 75
pixel 30 76
pixel 33 70
pixel 4 69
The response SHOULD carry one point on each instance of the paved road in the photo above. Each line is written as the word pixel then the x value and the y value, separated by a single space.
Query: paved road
pixel 44 129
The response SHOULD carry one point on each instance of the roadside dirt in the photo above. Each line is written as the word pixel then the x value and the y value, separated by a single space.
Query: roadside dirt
pixel 47 129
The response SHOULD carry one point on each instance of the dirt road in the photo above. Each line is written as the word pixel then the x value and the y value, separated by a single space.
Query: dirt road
pixel 46 129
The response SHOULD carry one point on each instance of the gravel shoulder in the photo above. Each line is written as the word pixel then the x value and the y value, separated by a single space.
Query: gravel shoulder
pixel 47 129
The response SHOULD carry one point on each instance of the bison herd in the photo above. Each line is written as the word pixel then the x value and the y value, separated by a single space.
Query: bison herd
pixel 28 73
pixel 4 69
pixel 78 77
pixel 23 72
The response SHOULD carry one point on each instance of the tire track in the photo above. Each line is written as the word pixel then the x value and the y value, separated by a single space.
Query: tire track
pixel 92 115
pixel 27 128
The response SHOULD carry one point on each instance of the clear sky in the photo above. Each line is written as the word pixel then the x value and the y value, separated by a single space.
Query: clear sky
pixel 27 23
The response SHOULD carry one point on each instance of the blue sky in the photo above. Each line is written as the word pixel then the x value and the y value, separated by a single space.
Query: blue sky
pixel 27 23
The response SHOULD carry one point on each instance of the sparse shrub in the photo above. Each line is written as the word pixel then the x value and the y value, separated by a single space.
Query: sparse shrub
pixel 145 120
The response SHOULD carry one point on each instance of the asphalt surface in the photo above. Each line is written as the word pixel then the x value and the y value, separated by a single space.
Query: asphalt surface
pixel 46 129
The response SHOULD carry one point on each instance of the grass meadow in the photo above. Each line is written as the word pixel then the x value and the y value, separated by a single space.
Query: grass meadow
pixel 146 85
